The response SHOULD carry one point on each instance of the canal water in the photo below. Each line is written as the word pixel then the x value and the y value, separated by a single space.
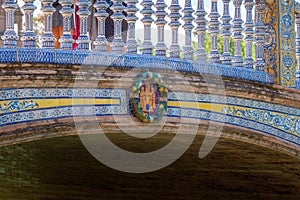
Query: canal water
pixel 61 168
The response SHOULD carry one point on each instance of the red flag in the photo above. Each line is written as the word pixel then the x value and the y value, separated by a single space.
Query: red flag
pixel 77 27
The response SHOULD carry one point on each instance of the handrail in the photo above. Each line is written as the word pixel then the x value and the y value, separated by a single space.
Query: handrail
pixel 106 59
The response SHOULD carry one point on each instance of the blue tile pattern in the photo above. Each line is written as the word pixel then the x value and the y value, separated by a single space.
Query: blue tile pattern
pixel 235 121
pixel 281 122
pixel 287 44
pixel 35 114
pixel 17 106
pixel 53 93
pixel 285 125
pixel 36 55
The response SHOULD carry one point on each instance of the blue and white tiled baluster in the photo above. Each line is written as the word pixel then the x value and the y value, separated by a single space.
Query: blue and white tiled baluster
pixel 298 49
pixel 259 35
pixel 237 30
pixel 29 38
pixel 160 23
pixel 249 33
pixel 226 33
pixel 117 16
pixel 147 21
pixel 10 36
pixel 48 38
pixel 66 40
pixel 213 27
pixel 175 24
pixel 200 31
pixel 131 19
pixel 188 26
pixel 83 12
pixel 100 43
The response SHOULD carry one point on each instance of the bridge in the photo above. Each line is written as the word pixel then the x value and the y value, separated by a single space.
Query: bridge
pixel 251 93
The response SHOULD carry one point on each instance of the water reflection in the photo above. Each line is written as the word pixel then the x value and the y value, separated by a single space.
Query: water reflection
pixel 61 168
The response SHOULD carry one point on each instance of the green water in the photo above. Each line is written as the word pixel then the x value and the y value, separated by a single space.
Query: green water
pixel 61 168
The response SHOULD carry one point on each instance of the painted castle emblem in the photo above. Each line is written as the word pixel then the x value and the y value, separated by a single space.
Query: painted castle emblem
pixel 149 97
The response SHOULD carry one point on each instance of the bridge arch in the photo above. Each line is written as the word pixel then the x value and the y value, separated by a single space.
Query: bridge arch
pixel 261 105
pixel 38 99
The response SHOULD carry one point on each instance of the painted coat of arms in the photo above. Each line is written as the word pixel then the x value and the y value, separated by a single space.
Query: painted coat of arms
pixel 149 99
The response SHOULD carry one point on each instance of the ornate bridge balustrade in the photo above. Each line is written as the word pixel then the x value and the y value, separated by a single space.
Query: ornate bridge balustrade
pixel 268 28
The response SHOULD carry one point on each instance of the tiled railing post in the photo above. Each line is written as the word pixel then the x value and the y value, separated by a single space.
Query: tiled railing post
pixel 48 38
pixel 147 21
pixel 298 49
pixel 188 27
pixel 29 38
pixel 118 43
pixel 100 43
pixel 83 39
pixel 287 69
pixel 160 23
pixel 259 35
pixel 214 31
pixel 200 31
pixel 226 33
pixel 175 24
pixel 10 36
pixel 237 29
pixel 66 40
pixel 131 19
pixel 249 33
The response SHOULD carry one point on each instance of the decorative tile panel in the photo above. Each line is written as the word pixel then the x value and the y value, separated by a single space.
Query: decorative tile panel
pixel 34 104
pixel 271 46
pixel 9 55
pixel 46 56
pixel 279 121
pixel 287 68
pixel 27 55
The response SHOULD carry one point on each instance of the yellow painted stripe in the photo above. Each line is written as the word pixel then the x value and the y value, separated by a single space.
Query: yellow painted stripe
pixel 197 105
pixel 48 103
